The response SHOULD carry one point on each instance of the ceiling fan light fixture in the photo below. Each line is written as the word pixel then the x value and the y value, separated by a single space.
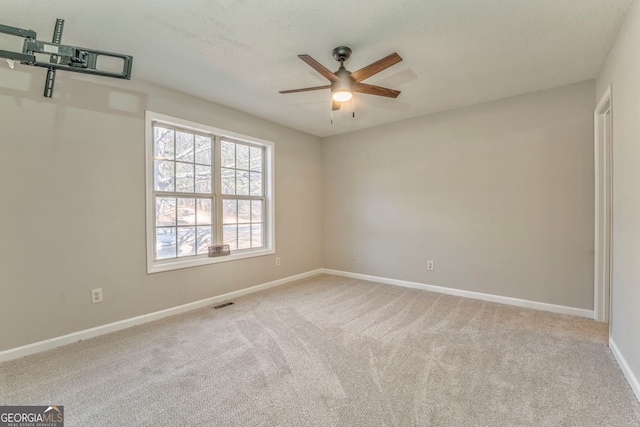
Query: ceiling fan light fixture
pixel 342 89
pixel 342 95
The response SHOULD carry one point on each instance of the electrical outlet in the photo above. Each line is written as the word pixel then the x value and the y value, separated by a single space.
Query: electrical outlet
pixel 430 265
pixel 96 295
pixel 277 261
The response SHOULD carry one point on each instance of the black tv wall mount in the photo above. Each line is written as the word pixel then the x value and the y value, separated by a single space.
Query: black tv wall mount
pixel 61 57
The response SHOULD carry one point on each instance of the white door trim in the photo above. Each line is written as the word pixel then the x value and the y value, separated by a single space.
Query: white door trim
pixel 603 151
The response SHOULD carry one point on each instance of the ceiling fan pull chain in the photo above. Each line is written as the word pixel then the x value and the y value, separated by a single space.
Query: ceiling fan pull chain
pixel 353 106
pixel 332 116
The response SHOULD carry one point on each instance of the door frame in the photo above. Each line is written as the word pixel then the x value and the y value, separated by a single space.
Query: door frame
pixel 603 245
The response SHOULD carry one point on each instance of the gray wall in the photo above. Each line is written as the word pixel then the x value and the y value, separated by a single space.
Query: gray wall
pixel 73 205
pixel 622 72
pixel 500 195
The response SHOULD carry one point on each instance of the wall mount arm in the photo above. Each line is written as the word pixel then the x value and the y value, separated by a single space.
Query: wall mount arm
pixel 62 57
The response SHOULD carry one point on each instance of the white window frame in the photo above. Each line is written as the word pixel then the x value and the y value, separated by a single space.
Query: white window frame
pixel 155 266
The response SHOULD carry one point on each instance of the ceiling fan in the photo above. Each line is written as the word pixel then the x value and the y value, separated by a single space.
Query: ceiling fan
pixel 344 83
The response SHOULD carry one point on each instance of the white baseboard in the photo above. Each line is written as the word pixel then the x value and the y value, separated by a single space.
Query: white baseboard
pixel 15 353
pixel 580 312
pixel 628 373
pixel 49 344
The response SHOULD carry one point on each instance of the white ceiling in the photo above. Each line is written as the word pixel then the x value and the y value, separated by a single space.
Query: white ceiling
pixel 240 53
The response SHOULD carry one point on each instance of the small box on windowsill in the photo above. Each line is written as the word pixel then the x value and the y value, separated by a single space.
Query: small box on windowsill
pixel 219 250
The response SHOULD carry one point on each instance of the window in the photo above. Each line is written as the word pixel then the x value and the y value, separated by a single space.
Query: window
pixel 205 186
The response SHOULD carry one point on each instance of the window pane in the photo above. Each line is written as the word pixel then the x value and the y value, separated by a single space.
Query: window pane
pixel 244 211
pixel 255 161
pixel 228 154
pixel 184 177
pixel 230 236
pixel 205 239
pixel 163 143
pixel 256 211
pixel 256 235
pixel 165 211
pixel 184 147
pixel 242 183
pixel 163 176
pixel 229 211
pixel 256 184
pixel 242 157
pixel 244 236
pixel 228 181
pixel 186 241
pixel 165 243
pixel 203 150
pixel 203 179
pixel 204 212
pixel 186 211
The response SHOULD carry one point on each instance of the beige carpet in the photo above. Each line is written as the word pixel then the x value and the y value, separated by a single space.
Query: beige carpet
pixel 331 351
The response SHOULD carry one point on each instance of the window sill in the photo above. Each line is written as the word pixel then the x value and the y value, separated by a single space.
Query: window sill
pixel 173 264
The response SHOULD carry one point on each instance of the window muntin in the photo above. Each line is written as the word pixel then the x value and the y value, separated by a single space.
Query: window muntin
pixel 243 223
pixel 241 167
pixel 206 187
pixel 184 226
pixel 243 196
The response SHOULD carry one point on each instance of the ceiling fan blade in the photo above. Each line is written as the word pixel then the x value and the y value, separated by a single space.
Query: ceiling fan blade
pixel 376 67
pixel 319 67
pixel 306 89
pixel 376 90
pixel 335 105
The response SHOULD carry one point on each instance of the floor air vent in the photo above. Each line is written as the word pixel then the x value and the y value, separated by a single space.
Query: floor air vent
pixel 226 304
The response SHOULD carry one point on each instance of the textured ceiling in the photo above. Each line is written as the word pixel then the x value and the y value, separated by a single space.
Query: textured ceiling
pixel 240 53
